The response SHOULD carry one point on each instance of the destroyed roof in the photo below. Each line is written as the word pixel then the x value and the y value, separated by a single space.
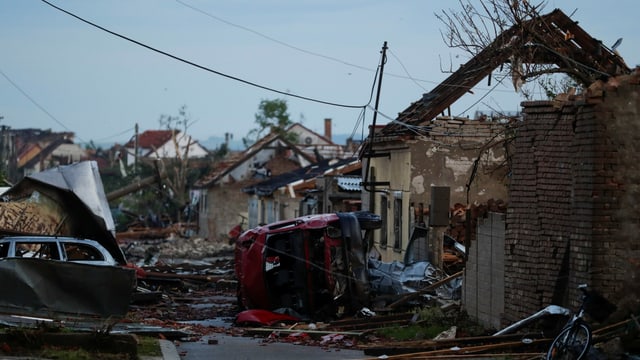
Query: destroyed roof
pixel 236 159
pixel 32 145
pixel 555 39
pixel 309 140
pixel 299 176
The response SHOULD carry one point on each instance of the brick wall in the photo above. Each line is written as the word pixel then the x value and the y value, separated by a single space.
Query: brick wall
pixel 574 209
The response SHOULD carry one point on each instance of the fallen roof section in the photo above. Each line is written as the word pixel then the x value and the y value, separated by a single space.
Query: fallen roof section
pixel 63 201
pixel 553 39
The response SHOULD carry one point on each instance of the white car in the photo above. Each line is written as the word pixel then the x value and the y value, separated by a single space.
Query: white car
pixel 75 250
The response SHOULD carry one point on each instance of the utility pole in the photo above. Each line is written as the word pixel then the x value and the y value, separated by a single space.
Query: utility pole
pixel 370 184
pixel 135 151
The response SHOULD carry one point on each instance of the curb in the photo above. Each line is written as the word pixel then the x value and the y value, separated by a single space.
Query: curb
pixel 169 351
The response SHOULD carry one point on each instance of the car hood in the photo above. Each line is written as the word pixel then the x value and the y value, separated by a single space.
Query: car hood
pixel 62 201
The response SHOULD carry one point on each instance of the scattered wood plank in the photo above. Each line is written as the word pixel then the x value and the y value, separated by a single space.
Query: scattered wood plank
pixel 374 322
pixel 404 347
pixel 474 350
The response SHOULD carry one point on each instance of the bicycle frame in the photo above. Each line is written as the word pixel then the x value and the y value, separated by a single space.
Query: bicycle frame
pixel 574 340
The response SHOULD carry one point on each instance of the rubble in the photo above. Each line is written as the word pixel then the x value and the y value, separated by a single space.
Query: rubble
pixel 187 289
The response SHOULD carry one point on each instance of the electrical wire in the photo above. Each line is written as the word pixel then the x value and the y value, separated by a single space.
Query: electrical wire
pixel 201 67
pixel 271 38
pixel 586 67
pixel 116 135
pixel 406 71
pixel 407 76
pixel 483 96
pixel 361 117
pixel 34 102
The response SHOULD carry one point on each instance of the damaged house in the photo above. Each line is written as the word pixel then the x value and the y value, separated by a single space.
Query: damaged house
pixel 221 198
pixel 28 151
pixel 296 193
pixel 567 167
pixel 160 144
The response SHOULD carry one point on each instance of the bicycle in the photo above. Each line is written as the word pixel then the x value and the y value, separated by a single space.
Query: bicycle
pixel 574 340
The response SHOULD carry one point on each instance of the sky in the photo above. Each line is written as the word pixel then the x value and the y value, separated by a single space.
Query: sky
pixel 60 73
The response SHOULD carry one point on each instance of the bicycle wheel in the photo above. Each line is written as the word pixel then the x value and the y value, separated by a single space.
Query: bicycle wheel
pixel 572 343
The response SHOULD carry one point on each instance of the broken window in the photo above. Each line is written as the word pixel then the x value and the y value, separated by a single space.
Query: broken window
pixel 82 252
pixel 384 204
pixel 45 250
pixel 397 221
pixel 4 250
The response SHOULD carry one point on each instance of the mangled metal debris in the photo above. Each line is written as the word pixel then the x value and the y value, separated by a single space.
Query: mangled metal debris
pixel 57 272
pixel 549 310
pixel 51 288
pixel 318 267
pixel 314 265
pixel 396 278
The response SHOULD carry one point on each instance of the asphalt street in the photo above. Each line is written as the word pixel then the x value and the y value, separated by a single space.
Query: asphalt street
pixel 241 348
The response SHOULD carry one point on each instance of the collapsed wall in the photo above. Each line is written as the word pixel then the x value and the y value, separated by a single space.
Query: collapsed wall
pixel 573 212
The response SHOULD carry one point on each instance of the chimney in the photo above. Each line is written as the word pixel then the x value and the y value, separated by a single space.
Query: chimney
pixel 327 129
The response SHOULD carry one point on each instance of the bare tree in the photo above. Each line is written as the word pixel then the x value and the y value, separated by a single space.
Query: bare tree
pixel 178 169
pixel 479 24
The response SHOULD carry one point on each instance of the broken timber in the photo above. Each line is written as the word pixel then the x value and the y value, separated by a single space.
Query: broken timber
pixel 459 346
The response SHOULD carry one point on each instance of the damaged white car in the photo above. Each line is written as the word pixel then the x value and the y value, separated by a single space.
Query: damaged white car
pixel 58 252
pixel 82 251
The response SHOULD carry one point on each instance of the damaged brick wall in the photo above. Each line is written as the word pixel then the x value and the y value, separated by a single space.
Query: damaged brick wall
pixel 573 212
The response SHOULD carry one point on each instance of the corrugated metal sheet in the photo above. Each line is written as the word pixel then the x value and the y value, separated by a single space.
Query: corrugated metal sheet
pixel 349 183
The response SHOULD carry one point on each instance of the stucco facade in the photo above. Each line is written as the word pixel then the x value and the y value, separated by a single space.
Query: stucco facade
pixel 445 155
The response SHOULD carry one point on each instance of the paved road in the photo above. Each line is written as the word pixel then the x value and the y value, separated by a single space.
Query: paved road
pixel 240 348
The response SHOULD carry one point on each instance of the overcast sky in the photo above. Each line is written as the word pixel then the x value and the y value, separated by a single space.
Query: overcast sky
pixel 59 73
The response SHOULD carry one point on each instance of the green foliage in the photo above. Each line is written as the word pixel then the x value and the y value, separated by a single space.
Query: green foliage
pixel 431 322
pixel 78 354
pixel 29 343
pixel 272 116
pixel 220 152
pixel 149 346
pixel 412 332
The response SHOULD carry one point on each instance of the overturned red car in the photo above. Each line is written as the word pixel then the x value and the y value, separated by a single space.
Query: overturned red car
pixel 313 266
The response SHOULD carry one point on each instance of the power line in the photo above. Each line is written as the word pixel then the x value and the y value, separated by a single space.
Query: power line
pixel 34 102
pixel 271 38
pixel 116 135
pixel 407 71
pixel 201 67
pixel 313 53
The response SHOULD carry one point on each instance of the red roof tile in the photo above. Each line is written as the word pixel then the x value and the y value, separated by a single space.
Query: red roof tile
pixel 151 139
